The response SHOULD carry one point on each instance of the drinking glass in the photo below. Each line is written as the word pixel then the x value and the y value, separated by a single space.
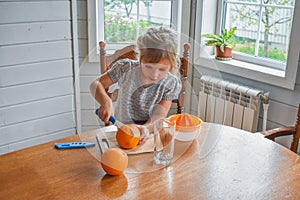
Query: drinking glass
pixel 164 138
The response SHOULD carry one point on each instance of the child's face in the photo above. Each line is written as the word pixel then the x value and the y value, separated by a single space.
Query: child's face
pixel 153 72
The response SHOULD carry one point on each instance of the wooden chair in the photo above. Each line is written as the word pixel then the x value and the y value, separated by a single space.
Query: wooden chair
pixel 287 130
pixel 106 62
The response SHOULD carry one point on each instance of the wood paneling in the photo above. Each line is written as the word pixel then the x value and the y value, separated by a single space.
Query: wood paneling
pixel 88 102
pixel 85 82
pixel 37 128
pixel 36 73
pixel 35 110
pixel 36 140
pixel 35 52
pixel 35 91
pixel 20 12
pixel 83 48
pixel 34 32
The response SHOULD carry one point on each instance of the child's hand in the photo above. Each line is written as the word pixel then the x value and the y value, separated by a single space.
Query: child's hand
pixel 144 133
pixel 105 111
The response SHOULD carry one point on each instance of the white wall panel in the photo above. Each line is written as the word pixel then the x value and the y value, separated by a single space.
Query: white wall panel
pixel 89 69
pixel 35 110
pixel 89 118
pixel 83 48
pixel 36 128
pixel 36 140
pixel 82 29
pixel 16 12
pixel 35 91
pixel 82 10
pixel 35 72
pixel 36 52
pixel 88 102
pixel 85 82
pixel 34 32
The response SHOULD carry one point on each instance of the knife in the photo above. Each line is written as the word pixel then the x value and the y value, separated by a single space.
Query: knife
pixel 119 124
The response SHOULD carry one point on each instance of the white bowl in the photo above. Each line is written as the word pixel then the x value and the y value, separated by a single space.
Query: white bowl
pixel 187 136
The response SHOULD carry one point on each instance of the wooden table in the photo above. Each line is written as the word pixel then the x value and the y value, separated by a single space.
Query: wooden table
pixel 223 163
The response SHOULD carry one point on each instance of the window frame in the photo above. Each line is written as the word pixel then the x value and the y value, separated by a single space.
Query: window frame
pixel 93 28
pixel 257 72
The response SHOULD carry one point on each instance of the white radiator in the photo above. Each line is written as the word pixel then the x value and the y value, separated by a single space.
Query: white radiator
pixel 231 104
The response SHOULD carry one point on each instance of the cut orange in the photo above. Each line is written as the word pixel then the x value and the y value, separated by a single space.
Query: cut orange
pixel 114 161
pixel 128 136
pixel 184 120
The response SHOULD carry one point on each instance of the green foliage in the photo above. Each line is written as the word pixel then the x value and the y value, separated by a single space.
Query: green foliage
pixel 223 40
pixel 123 29
pixel 273 53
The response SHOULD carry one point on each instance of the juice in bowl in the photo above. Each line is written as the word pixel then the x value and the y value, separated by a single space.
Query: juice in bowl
pixel 187 126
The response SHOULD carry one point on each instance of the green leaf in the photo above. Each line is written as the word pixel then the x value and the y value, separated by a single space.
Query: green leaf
pixel 231 32
pixel 222 47
pixel 213 36
pixel 212 43
pixel 224 32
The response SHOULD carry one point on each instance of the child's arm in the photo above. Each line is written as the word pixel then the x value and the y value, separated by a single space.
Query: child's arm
pixel 161 111
pixel 98 91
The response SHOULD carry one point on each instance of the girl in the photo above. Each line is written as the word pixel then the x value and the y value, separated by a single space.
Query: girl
pixel 147 86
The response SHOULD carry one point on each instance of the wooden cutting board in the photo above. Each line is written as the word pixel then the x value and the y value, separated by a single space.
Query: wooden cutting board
pixel 108 140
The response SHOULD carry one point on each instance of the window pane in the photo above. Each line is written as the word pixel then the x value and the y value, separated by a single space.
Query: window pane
pixel 124 20
pixel 120 22
pixel 157 13
pixel 276 27
pixel 280 2
pixel 245 18
pixel 261 31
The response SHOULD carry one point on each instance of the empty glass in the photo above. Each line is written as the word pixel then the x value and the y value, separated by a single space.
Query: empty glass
pixel 164 136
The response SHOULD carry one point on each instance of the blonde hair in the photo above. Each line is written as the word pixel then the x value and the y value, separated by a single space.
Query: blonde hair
pixel 159 43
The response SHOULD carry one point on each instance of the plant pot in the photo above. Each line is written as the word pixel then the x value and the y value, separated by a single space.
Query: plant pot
pixel 226 55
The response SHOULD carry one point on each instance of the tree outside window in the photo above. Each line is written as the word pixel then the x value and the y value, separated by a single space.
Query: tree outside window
pixel 263 26
pixel 124 20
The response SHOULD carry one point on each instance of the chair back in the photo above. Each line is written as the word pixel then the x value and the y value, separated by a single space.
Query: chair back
pixel 106 62
pixel 286 130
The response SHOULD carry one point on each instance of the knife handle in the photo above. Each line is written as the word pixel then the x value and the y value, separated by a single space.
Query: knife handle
pixel 112 119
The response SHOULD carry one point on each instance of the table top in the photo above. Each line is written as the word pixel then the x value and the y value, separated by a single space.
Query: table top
pixel 222 163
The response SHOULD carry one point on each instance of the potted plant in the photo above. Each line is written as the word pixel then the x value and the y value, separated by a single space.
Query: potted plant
pixel 222 43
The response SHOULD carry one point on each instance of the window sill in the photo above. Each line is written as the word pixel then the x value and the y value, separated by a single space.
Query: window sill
pixel 247 70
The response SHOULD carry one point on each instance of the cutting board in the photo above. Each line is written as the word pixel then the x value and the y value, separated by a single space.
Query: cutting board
pixel 108 140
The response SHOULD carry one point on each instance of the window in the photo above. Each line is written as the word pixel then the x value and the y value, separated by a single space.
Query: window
pixel 120 22
pixel 263 29
pixel 267 48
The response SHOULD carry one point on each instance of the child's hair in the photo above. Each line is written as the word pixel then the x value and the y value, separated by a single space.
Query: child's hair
pixel 159 43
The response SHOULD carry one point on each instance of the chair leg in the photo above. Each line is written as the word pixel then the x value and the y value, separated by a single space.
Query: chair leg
pixel 294 145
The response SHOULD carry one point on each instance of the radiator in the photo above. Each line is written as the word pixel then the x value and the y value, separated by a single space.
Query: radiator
pixel 231 104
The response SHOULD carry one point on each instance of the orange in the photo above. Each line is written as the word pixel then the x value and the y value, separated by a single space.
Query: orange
pixel 184 120
pixel 114 161
pixel 128 136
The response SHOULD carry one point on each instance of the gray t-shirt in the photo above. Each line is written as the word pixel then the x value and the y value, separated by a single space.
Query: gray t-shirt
pixel 136 103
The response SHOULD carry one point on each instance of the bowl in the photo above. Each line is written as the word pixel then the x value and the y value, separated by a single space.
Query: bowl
pixel 187 132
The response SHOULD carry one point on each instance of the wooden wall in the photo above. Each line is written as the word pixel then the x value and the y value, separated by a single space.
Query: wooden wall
pixel 36 73
pixel 88 73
